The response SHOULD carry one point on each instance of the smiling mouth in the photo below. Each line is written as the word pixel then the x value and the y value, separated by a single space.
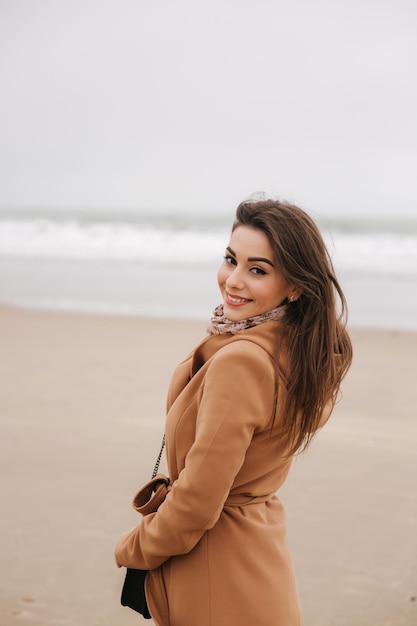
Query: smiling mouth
pixel 234 300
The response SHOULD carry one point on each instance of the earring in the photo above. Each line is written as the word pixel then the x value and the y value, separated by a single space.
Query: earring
pixel 291 298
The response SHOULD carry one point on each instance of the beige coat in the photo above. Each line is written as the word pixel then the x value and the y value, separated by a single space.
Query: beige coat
pixel 217 546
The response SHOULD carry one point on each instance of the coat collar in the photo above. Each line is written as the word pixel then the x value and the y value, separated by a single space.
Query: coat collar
pixel 265 335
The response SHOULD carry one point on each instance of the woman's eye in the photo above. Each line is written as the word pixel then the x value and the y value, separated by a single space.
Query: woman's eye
pixel 230 260
pixel 258 271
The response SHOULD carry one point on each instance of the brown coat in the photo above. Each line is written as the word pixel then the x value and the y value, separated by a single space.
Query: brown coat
pixel 217 546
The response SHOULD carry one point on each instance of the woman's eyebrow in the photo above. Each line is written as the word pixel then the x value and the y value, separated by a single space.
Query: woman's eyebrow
pixel 251 259
pixel 260 258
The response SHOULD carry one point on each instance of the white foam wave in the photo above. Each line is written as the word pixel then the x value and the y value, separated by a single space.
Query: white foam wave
pixel 393 254
pixel 106 241
pixel 389 254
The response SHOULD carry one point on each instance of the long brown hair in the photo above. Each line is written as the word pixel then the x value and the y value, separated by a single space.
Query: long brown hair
pixel 319 350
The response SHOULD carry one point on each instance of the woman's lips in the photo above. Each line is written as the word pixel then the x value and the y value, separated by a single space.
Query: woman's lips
pixel 236 300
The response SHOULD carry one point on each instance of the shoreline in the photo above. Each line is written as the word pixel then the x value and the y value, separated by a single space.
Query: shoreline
pixel 181 291
pixel 133 314
pixel 82 406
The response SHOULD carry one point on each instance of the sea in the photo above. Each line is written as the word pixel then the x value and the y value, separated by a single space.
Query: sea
pixel 165 265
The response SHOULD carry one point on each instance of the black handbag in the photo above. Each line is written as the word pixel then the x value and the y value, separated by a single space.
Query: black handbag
pixel 133 592
pixel 147 500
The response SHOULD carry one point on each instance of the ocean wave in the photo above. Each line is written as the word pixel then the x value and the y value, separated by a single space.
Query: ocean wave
pixel 389 253
pixel 107 241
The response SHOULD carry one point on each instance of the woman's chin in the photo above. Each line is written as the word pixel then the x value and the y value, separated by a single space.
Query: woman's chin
pixel 235 314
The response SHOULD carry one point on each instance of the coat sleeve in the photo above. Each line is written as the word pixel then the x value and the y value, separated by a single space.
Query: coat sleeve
pixel 237 401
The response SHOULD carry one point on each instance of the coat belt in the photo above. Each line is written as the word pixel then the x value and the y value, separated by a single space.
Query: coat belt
pixel 240 499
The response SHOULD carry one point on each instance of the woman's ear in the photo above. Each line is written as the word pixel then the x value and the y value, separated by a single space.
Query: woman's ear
pixel 294 294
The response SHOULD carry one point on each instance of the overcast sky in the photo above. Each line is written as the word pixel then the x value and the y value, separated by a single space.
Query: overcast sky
pixel 195 105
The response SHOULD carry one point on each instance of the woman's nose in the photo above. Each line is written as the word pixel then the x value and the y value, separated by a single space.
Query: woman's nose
pixel 235 280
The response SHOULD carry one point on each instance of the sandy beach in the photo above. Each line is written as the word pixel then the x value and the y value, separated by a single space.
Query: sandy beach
pixel 82 401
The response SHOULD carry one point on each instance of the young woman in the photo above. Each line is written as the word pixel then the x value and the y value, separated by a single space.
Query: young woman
pixel 247 398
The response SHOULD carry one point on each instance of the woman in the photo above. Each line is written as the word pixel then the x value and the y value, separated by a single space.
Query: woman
pixel 247 398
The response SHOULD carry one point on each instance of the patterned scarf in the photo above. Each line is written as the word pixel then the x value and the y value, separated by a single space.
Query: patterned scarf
pixel 220 324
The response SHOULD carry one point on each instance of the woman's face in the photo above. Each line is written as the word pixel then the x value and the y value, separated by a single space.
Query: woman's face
pixel 249 280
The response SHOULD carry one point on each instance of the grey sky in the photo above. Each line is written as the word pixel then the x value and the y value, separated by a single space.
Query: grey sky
pixel 186 104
